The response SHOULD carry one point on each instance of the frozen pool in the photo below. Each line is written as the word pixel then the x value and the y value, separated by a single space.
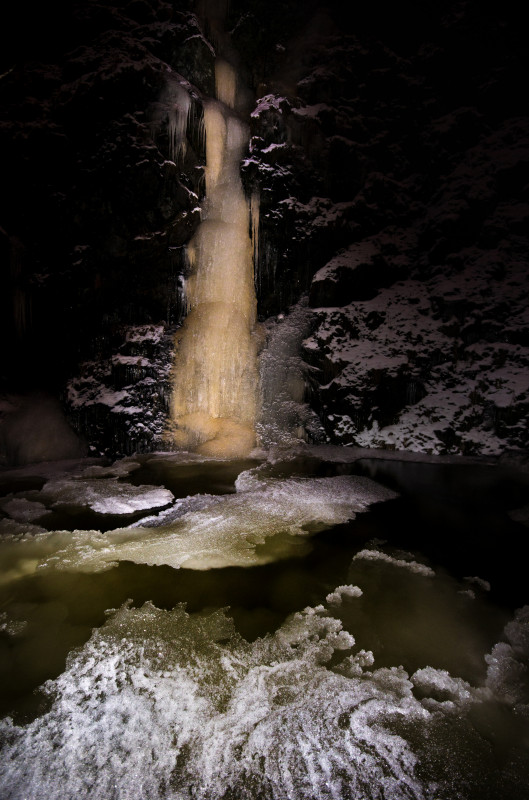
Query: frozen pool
pixel 297 627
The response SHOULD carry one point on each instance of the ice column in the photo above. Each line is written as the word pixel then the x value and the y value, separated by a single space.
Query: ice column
pixel 214 401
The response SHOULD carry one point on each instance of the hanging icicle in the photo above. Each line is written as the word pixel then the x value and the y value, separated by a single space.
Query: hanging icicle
pixel 173 110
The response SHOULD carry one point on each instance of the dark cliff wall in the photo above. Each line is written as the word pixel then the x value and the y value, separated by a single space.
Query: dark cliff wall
pixel 94 209
pixel 391 154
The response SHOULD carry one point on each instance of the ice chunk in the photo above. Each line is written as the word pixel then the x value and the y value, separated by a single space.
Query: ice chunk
pixel 413 566
pixel 508 663
pixel 441 687
pixel 336 598
pixel 13 528
pixel 178 509
pixel 11 627
pixel 482 584
pixel 23 510
pixel 105 496
pixel 119 469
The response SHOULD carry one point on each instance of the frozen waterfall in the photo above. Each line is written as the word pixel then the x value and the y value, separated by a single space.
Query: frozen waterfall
pixel 214 402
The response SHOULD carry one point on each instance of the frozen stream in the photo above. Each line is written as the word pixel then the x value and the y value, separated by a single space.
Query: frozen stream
pixel 303 626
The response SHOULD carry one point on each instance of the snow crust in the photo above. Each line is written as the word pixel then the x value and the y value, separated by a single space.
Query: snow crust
pixel 390 336
pixel 267 102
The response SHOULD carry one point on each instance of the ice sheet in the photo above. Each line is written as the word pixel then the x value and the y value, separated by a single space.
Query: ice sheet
pixel 253 527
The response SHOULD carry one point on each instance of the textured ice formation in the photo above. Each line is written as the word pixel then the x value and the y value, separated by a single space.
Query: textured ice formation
pixel 214 399
pixel 375 693
pixel 170 706
pixel 119 469
pixel 177 510
pixel 441 688
pixel 11 529
pixel 184 708
pixel 23 510
pixel 172 109
pixel 10 627
pixel 285 417
pixel 71 483
pixel 337 597
pixel 508 664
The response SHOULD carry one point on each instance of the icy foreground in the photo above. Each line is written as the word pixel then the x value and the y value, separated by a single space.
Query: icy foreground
pixel 171 705
pixel 180 714
pixel 186 708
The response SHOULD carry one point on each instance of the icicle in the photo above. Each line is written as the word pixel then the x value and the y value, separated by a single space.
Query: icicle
pixel 196 131
pixel 179 104
pixel 174 108
pixel 255 204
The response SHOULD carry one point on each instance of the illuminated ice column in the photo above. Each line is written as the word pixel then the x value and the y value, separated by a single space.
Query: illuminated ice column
pixel 215 376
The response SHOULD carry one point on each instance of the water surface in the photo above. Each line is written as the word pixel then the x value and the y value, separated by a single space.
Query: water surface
pixel 374 646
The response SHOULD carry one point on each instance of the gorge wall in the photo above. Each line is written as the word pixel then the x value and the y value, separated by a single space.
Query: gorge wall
pixel 390 157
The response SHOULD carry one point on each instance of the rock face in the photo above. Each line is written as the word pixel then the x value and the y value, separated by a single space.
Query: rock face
pixel 120 401
pixel 394 192
pixel 390 154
